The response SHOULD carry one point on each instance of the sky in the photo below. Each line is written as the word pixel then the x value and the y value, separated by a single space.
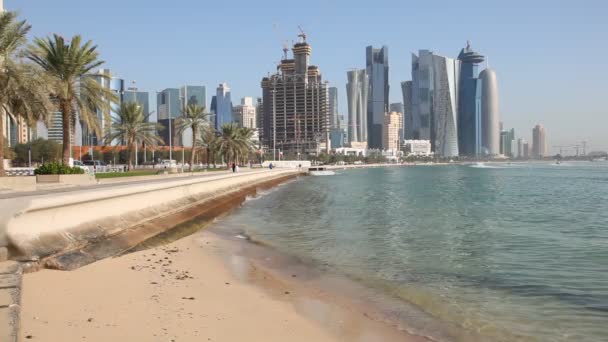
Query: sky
pixel 551 56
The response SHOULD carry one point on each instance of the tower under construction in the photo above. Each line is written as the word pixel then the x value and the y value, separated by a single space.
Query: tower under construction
pixel 295 117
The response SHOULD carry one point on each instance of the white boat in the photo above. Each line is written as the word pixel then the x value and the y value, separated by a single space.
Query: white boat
pixel 320 171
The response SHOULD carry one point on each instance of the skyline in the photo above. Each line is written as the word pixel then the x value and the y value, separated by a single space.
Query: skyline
pixel 538 62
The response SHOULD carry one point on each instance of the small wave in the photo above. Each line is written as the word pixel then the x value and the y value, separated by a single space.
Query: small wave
pixel 485 166
pixel 242 236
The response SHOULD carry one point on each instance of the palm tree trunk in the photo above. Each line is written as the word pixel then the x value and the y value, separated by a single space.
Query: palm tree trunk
pixel 67 132
pixel 193 148
pixel 2 171
pixel 208 155
pixel 130 147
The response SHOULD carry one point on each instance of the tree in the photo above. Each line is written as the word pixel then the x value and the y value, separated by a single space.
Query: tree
pixel 23 91
pixel 130 126
pixel 42 151
pixel 69 67
pixel 193 117
pixel 209 141
pixel 234 141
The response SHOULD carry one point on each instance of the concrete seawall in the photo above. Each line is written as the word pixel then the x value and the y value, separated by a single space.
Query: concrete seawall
pixel 36 226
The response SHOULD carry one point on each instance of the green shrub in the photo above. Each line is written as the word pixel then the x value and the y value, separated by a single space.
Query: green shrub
pixel 58 169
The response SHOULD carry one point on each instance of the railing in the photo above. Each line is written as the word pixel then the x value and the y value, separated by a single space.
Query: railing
pixel 20 171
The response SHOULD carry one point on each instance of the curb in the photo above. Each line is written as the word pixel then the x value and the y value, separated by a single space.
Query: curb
pixel 11 274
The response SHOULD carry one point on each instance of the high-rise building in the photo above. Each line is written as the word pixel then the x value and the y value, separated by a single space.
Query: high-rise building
pixel 406 89
pixel 520 147
pixel 223 106
pixel 490 119
pixel 507 139
pixel 142 98
pixel 434 101
pixel 338 131
pixel 190 94
pixel 168 104
pixel 398 107
pixel 116 85
pixel 469 103
pixel 539 142
pixel 55 128
pixel 377 71
pixel 258 117
pixel 357 90
pixel 526 150
pixel 393 122
pixel 296 109
pixel 168 107
pixel 245 113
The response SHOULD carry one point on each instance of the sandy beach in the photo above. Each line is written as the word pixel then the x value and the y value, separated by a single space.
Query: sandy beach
pixel 183 291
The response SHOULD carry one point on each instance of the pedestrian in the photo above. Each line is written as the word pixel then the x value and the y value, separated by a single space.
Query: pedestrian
pixel 270 166
pixel 233 167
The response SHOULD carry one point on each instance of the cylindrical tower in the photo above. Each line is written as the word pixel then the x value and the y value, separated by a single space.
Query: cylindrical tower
pixel 301 55
pixel 490 119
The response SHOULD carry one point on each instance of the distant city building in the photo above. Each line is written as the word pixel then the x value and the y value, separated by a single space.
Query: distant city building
pixel 398 107
pixel 245 113
pixel 357 90
pixel 417 147
pixel 406 89
pixel 539 142
pixel 55 128
pixel 190 94
pixel 142 98
pixel 490 118
pixel 116 85
pixel 223 106
pixel 377 71
pixel 391 129
pixel 520 148
pixel 259 110
pixel 434 101
pixel 506 142
pixel 338 131
pixel 526 150
pixel 296 109
pixel 168 107
pixel 469 103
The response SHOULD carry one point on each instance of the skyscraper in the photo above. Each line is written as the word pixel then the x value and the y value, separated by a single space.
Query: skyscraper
pixel 469 103
pixel 357 89
pixel 393 122
pixel 116 85
pixel 406 89
pixel 223 106
pixel 434 101
pixel 539 142
pixel 168 107
pixel 190 94
pixel 337 132
pixel 490 119
pixel 377 107
pixel 296 108
pixel 142 98
pixel 245 113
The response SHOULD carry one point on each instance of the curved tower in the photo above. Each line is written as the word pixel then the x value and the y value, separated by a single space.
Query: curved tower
pixel 357 89
pixel 490 120
pixel 469 116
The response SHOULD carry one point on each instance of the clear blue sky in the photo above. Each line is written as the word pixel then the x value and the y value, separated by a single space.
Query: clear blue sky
pixel 550 55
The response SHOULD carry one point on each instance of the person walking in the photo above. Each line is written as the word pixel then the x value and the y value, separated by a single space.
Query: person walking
pixel 233 167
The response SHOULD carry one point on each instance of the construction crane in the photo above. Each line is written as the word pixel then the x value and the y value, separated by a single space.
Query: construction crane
pixel 302 34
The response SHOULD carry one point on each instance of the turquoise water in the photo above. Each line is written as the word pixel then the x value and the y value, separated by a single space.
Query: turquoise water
pixel 502 252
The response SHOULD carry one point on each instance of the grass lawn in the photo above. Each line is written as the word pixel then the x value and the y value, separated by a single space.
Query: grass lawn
pixel 126 174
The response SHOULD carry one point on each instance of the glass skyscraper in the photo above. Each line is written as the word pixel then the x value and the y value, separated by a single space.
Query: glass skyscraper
pixel 190 94
pixel 223 106
pixel 357 90
pixel 435 101
pixel 377 107
pixel 469 103
pixel 168 104
pixel 406 89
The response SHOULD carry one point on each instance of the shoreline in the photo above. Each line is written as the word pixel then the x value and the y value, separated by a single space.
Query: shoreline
pixel 193 289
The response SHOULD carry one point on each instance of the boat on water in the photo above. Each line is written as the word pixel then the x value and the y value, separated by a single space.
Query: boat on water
pixel 320 171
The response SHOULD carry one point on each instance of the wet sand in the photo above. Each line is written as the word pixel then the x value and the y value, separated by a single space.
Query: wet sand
pixel 194 289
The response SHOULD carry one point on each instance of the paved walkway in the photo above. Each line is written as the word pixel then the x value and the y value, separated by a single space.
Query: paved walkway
pixel 10 297
pixel 152 180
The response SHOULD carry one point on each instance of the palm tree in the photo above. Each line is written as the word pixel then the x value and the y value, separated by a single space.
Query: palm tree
pixel 130 126
pixel 209 141
pixel 69 66
pixel 23 92
pixel 248 146
pixel 193 117
pixel 234 141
